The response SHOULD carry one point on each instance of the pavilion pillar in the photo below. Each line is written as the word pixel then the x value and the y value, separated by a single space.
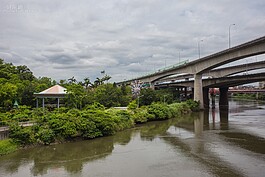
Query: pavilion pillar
pixel 58 103
pixel 37 103
pixel 43 103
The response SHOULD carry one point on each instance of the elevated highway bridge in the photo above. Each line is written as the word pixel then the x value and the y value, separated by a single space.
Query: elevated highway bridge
pixel 223 83
pixel 205 65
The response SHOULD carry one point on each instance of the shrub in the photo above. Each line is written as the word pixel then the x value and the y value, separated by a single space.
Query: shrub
pixel 132 105
pixel 160 111
pixel 45 135
pixel 88 129
pixel 141 115
pixel 123 118
pixel 7 146
pixel 193 105
pixel 21 135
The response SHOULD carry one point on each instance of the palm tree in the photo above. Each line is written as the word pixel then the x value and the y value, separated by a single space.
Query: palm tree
pixel 86 82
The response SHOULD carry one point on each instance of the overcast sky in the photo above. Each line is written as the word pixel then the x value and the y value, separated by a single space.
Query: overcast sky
pixel 126 38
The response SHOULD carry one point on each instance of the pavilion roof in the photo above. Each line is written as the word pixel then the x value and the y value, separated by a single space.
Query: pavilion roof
pixel 52 92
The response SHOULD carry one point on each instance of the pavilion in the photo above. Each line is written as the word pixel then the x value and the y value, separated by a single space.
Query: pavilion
pixel 55 91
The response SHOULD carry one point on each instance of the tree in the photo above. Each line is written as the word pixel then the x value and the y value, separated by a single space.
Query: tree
pixel 72 80
pixel 147 96
pixel 25 73
pixel 75 96
pixel 8 93
pixel 108 95
pixel 86 82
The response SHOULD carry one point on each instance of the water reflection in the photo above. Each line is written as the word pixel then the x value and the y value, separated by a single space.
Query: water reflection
pixel 214 139
pixel 71 156
pixel 246 141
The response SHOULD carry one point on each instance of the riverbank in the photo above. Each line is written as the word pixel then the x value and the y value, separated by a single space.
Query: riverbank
pixel 91 122
pixel 249 96
pixel 7 146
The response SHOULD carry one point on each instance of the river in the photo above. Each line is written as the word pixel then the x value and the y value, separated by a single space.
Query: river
pixel 213 143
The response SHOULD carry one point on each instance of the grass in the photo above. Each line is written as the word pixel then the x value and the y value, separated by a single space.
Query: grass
pixel 7 146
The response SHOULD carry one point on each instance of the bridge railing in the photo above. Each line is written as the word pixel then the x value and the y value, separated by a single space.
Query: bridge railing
pixel 163 69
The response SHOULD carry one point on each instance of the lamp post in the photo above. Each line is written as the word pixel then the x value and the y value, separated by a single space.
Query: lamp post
pixel 199 48
pixel 138 100
pixel 179 56
pixel 229 40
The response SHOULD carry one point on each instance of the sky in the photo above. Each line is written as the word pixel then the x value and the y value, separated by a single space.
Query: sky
pixel 124 38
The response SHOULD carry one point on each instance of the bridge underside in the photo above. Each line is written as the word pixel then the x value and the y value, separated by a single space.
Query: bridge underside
pixel 222 83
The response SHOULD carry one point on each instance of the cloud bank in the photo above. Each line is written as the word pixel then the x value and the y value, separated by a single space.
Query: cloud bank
pixel 126 38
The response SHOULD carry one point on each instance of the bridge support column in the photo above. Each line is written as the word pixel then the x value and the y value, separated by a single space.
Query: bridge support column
pixel 223 98
pixel 185 92
pixel 198 93
pixel 224 123
pixel 206 97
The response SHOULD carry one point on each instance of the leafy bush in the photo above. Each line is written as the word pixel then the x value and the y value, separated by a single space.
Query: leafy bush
pixel 123 118
pixel 132 105
pixel 45 135
pixel 160 111
pixel 7 146
pixel 88 129
pixel 63 125
pixel 193 105
pixel 141 115
pixel 91 122
pixel 21 135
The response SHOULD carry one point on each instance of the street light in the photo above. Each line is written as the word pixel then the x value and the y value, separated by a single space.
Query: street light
pixel 229 40
pixel 199 48
pixel 138 100
pixel 179 54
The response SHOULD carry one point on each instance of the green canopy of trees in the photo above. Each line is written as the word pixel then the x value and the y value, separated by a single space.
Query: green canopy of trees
pixel 17 83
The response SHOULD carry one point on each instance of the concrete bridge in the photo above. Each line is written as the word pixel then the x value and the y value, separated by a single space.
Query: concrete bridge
pixel 204 65
pixel 221 72
pixel 223 83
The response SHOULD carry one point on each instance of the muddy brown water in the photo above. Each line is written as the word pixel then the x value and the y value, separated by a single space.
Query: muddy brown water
pixel 210 143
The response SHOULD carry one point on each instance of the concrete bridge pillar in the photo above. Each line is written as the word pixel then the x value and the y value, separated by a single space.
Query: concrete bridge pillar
pixel 185 92
pixel 223 98
pixel 206 97
pixel 198 93
pixel 224 123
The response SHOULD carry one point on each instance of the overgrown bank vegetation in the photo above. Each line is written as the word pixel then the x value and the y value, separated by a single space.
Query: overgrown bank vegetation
pixel 87 111
pixel 252 96
pixel 91 122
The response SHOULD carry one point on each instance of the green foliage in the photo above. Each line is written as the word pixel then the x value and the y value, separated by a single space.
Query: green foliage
pixel 8 92
pixel 132 105
pixel 21 135
pixel 91 122
pixel 7 146
pixel 95 106
pixel 45 135
pixel 142 115
pixel 108 95
pixel 177 109
pixel 193 105
pixel 75 96
pixel 19 83
pixel 160 111
pixel 147 96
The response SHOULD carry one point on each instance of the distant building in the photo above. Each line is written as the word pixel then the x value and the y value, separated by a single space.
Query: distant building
pixel 262 84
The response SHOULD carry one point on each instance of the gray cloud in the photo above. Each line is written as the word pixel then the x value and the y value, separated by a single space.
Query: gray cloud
pixel 126 38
